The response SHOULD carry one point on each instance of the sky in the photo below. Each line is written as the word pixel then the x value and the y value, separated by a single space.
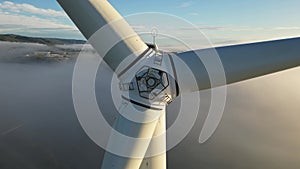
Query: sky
pixel 222 21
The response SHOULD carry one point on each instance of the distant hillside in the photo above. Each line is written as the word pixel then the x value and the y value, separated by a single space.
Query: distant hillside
pixel 46 41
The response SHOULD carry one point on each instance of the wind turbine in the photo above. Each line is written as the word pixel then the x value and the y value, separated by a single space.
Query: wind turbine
pixel 150 79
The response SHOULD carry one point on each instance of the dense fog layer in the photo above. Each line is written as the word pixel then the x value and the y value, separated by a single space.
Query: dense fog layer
pixel 39 128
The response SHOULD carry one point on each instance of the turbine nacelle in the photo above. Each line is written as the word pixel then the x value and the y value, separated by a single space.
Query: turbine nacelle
pixel 151 81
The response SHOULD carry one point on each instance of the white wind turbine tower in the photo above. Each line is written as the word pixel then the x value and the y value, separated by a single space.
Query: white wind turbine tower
pixel 150 80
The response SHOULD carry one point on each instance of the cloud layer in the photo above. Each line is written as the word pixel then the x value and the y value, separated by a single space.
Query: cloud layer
pixel 30 20
pixel 27 19
pixel 185 4
pixel 27 8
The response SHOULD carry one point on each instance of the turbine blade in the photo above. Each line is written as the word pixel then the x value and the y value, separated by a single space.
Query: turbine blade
pixel 240 62
pixel 130 140
pixel 156 156
pixel 106 30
